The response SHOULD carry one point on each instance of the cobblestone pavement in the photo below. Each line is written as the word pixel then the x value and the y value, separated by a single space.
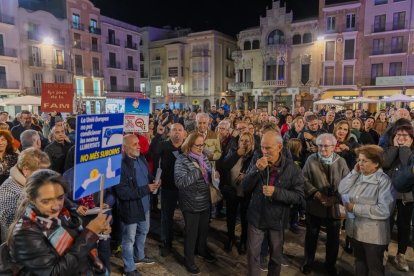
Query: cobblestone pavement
pixel 229 264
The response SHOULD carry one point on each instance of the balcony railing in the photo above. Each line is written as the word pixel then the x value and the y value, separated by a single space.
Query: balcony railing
pixel 78 45
pixel 144 75
pixel 7 19
pixel 59 66
pixel 97 73
pixel 130 45
pixel 156 62
pixel 388 50
pixel 35 91
pixel 113 64
pixel 200 53
pixel 96 48
pixel 274 83
pixel 33 35
pixel 9 84
pixel 37 63
pixel 79 71
pixel 156 77
pixel 59 41
pixel 78 26
pixel 8 52
pixel 94 30
pixel 131 67
pixel 389 26
pixel 123 88
pixel 113 41
pixel 237 86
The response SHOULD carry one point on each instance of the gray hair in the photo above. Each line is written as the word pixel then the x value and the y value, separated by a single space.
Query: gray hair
pixel 225 124
pixel 326 136
pixel 202 115
pixel 28 138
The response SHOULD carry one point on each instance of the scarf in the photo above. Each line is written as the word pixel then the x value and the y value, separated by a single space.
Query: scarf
pixel 59 231
pixel 202 164
pixel 326 160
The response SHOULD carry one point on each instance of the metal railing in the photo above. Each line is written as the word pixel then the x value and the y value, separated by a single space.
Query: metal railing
pixel 94 30
pixel 200 53
pixel 78 26
pixel 388 50
pixel 277 83
pixel 8 52
pixel 113 41
pixel 389 26
pixel 97 73
pixel 131 67
pixel 131 45
pixel 4 84
pixel 240 85
pixel 7 19
pixel 37 63
pixel 113 64
pixel 60 66
pixel 33 35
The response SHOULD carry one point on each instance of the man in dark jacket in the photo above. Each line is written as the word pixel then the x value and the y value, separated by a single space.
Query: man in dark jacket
pixel 58 149
pixel 275 183
pixel 26 123
pixel 167 152
pixel 134 204
pixel 308 137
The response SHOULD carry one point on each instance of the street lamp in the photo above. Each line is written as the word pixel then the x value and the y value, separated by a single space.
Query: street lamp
pixel 48 40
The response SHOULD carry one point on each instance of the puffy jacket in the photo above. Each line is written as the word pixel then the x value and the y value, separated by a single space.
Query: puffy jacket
pixel 395 159
pixel 36 256
pixel 194 192
pixel 129 194
pixel 273 213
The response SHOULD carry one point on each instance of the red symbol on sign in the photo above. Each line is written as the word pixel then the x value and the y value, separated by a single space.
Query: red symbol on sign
pixel 139 122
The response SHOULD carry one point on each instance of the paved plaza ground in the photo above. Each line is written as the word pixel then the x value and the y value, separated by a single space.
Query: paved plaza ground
pixel 229 264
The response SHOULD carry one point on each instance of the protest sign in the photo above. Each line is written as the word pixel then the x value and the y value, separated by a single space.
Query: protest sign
pixel 137 106
pixel 136 123
pixel 57 97
pixel 98 152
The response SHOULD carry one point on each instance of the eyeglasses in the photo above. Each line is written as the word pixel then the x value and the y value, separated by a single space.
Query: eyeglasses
pixel 200 146
pixel 241 128
pixel 402 135
pixel 324 146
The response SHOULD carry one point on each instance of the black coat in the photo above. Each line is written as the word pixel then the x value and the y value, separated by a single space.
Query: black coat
pixel 128 193
pixel 57 154
pixel 273 212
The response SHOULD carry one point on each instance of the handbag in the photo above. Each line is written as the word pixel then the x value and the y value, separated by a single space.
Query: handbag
pixel 215 194
pixel 338 211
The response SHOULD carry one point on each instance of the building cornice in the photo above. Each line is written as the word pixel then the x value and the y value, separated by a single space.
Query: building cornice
pixel 342 7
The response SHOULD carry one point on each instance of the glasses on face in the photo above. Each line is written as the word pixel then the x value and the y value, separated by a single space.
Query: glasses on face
pixel 402 135
pixel 324 146
pixel 199 146
pixel 240 128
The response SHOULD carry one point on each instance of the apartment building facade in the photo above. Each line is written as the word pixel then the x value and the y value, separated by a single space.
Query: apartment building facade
pixel 120 52
pixel 388 41
pixel 86 54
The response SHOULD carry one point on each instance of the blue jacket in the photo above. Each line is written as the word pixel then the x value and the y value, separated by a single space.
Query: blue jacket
pixel 129 194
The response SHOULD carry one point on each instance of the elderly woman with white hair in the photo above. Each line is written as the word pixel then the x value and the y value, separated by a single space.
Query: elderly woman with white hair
pixel 323 171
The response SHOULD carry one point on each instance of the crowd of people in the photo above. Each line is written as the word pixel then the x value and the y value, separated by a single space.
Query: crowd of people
pixel 330 170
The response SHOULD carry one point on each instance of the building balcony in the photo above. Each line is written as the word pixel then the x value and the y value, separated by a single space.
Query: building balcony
pixel 388 50
pixel 238 86
pixel 113 41
pixel 97 73
pixel 156 62
pixel 59 41
pixel 113 64
pixel 37 63
pixel 274 83
pixel 130 45
pixel 236 54
pixel 131 67
pixel 78 45
pixel 79 71
pixel 8 52
pixel 59 66
pixel 78 26
pixel 34 36
pixel 94 30
pixel 6 19
pixel 144 75
pixel 96 48
pixel 9 84
pixel 389 26
pixel 200 53
pixel 123 88
pixel 156 77
pixel 33 91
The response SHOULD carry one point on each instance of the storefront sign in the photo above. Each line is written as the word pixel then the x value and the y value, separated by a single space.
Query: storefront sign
pixel 395 80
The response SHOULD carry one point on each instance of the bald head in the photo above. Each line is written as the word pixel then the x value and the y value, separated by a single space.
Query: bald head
pixel 271 146
pixel 131 145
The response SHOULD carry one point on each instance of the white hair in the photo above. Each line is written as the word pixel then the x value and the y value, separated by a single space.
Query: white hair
pixel 202 115
pixel 326 136
pixel 225 124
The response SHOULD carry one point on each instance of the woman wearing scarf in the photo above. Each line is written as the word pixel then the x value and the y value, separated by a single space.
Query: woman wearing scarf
pixel 323 171
pixel 47 237
pixel 193 173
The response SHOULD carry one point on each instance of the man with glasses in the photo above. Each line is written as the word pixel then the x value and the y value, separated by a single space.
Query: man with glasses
pixel 323 171
pixel 212 148
pixel 308 136
pixel 274 183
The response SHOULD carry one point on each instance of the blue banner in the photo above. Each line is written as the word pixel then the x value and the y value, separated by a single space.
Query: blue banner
pixel 98 152
pixel 137 106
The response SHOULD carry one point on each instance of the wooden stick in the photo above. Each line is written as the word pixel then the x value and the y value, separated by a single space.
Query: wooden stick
pixel 101 198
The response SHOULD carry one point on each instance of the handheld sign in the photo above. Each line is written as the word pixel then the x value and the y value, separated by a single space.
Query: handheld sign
pixel 57 97
pixel 136 114
pixel 137 106
pixel 98 153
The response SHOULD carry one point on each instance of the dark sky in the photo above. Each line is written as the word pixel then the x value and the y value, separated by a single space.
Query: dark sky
pixel 228 16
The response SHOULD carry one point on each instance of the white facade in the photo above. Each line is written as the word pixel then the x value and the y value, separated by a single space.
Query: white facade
pixel 120 56
pixel 44 50
pixel 10 71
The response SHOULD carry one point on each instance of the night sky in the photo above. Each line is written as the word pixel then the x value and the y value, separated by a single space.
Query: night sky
pixel 227 16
